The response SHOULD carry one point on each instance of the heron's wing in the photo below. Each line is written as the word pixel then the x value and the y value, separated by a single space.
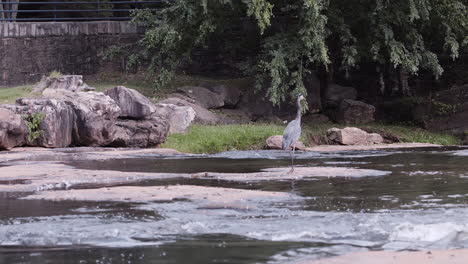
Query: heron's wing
pixel 291 134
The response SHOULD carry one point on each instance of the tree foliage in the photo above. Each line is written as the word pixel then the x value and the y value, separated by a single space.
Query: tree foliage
pixel 295 37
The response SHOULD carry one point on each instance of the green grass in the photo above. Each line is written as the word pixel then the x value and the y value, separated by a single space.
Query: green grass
pixel 213 139
pixel 9 95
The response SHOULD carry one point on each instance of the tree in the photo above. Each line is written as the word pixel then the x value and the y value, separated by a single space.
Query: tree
pixel 296 37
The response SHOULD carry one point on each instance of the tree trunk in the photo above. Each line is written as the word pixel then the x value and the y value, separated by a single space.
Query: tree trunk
pixel 403 82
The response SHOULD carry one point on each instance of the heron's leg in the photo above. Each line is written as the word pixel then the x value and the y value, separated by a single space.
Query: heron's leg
pixel 292 159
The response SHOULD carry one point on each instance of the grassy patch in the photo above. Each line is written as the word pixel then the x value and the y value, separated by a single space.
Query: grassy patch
pixel 9 95
pixel 212 139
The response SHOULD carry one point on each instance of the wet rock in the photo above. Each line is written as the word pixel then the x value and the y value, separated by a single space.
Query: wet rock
pixel 96 115
pixel 161 193
pixel 337 93
pixel 12 129
pixel 140 133
pixel 202 115
pixel 229 94
pixel 353 136
pixel 354 112
pixel 275 142
pixel 204 97
pixel 58 122
pixel 72 83
pixel 132 103
pixel 179 117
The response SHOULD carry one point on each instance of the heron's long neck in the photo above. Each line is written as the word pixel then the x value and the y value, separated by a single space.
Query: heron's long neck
pixel 299 111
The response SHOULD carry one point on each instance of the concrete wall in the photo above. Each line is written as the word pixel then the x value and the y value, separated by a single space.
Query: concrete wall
pixel 30 50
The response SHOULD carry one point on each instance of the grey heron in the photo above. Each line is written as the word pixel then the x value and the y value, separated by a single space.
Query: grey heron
pixel 292 132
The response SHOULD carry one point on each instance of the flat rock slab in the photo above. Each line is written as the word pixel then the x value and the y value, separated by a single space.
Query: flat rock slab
pixel 333 148
pixel 53 176
pixel 194 193
pixel 298 173
pixel 386 257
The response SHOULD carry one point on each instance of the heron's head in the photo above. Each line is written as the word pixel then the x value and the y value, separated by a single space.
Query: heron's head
pixel 300 97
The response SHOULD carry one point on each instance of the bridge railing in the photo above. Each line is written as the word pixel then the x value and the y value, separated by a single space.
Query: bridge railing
pixel 73 11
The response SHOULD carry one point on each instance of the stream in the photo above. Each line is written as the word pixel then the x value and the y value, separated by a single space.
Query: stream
pixel 419 204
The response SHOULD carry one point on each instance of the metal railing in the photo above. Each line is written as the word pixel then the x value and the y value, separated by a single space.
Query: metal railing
pixel 65 11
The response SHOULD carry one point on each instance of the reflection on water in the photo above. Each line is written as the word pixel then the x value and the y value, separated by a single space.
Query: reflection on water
pixel 422 204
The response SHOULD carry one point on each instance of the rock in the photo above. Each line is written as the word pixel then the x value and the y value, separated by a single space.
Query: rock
pixel 140 133
pixel 275 142
pixel 132 103
pixel 96 114
pixel 354 112
pixel 337 93
pixel 179 117
pixel 13 130
pixel 202 115
pixel 315 119
pixel 318 140
pixel 72 83
pixel 204 97
pixel 58 122
pixel 256 105
pixel 353 136
pixel 229 94
pixel 312 85
pixel 388 137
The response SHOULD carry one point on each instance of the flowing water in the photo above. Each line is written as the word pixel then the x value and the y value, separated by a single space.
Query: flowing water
pixel 420 204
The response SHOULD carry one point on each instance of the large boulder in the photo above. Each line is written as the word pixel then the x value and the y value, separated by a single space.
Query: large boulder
pixel 275 142
pixel 179 117
pixel 353 136
pixel 56 126
pixel 354 112
pixel 72 83
pixel 140 133
pixel 229 94
pixel 13 130
pixel 202 115
pixel 204 97
pixel 132 103
pixel 337 93
pixel 96 114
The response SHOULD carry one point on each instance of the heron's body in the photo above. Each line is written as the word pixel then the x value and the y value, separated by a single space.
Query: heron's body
pixel 292 132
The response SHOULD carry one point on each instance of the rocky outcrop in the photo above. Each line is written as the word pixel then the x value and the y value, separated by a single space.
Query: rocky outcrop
pixel 96 114
pixel 354 112
pixel 58 123
pixel 204 97
pixel 229 94
pixel 140 133
pixel 132 103
pixel 179 117
pixel 353 136
pixel 12 129
pixel 337 93
pixel 202 115
pixel 72 83
pixel 275 142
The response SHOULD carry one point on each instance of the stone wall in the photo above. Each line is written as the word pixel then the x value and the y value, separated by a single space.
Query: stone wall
pixel 30 50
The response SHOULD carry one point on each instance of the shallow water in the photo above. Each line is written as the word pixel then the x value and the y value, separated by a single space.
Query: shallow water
pixel 420 205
